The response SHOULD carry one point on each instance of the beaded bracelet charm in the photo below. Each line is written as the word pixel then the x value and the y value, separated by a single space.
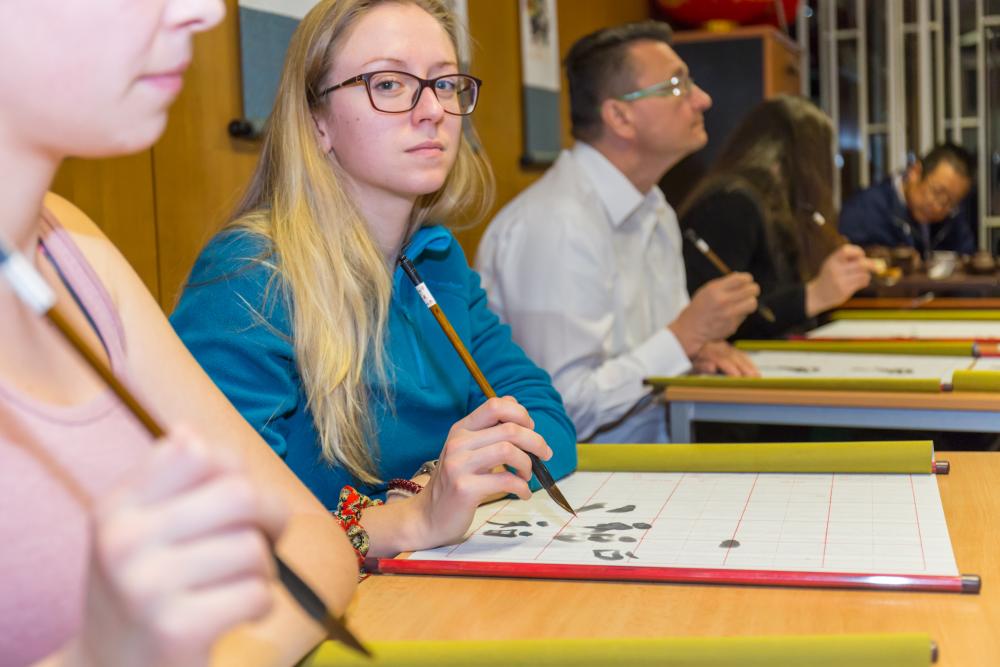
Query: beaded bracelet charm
pixel 403 488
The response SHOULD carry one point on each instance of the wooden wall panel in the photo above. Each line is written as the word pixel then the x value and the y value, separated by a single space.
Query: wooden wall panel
pixel 117 194
pixel 580 17
pixel 199 170
pixel 496 60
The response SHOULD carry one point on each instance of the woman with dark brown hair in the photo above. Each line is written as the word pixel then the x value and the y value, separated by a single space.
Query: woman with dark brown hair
pixel 766 207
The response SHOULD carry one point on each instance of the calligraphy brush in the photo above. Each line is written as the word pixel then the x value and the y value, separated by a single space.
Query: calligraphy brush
pixel 537 467
pixel 35 293
pixel 924 298
pixel 717 262
pixel 878 267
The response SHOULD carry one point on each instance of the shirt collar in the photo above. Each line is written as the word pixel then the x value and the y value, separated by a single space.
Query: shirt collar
pixel 902 207
pixel 897 185
pixel 620 197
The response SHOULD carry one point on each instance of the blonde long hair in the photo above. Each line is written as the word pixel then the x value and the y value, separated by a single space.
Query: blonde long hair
pixel 329 268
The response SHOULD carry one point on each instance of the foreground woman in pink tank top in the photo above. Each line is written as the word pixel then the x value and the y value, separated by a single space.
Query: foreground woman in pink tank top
pixel 113 552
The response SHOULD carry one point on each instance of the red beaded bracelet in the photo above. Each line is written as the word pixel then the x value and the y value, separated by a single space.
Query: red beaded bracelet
pixel 407 485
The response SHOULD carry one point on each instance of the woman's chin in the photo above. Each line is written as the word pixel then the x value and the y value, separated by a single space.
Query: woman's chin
pixel 118 141
pixel 423 187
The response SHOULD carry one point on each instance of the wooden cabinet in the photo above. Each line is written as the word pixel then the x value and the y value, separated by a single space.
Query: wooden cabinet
pixel 738 69
pixel 117 193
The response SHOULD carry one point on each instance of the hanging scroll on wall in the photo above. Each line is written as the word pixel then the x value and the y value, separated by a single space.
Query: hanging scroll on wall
pixel 460 8
pixel 266 26
pixel 540 82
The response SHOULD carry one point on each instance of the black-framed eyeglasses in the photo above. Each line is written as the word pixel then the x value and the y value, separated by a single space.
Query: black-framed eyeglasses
pixel 398 92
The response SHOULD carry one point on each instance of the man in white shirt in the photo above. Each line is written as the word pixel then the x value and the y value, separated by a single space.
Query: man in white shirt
pixel 586 264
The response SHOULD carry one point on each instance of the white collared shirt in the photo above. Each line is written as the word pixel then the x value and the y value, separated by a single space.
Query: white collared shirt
pixel 588 272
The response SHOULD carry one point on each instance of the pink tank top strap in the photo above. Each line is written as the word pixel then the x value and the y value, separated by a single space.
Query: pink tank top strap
pixel 86 286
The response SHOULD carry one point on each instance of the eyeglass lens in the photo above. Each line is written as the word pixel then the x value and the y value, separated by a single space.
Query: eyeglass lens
pixel 395 92
pixel 681 85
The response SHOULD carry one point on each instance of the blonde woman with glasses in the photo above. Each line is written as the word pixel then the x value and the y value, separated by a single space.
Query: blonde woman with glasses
pixel 299 313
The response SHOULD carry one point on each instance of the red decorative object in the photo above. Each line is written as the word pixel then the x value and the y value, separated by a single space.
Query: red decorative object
pixel 694 13
pixel 348 513
pixel 962 583
pixel 407 485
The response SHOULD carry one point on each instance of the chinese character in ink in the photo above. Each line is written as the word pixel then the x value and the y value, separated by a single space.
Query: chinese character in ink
pixel 624 509
pixel 613 554
pixel 602 531
pixel 617 525
pixel 568 537
pixel 602 538
pixel 596 506
pixel 509 528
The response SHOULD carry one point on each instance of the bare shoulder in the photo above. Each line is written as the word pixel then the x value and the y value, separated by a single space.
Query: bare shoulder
pixel 72 218
pixel 100 253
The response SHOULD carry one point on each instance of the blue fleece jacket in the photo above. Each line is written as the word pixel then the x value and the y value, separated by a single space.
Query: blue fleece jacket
pixel 233 319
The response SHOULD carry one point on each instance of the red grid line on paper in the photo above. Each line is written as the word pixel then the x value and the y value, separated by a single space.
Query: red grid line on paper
pixel 788 504
pixel 697 519
pixel 916 514
pixel 570 520
pixel 740 520
pixel 829 511
pixel 874 514
pixel 662 507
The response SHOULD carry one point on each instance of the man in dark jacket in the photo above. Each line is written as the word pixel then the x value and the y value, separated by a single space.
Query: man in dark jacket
pixel 921 207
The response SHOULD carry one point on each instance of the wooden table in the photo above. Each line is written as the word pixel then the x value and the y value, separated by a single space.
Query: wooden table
pixel 937 303
pixel 959 284
pixel 945 411
pixel 396 607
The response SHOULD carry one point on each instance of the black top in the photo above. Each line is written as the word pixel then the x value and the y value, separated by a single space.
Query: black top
pixel 732 225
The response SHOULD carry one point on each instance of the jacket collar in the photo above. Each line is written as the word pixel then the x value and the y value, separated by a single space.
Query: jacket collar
pixel 429 238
